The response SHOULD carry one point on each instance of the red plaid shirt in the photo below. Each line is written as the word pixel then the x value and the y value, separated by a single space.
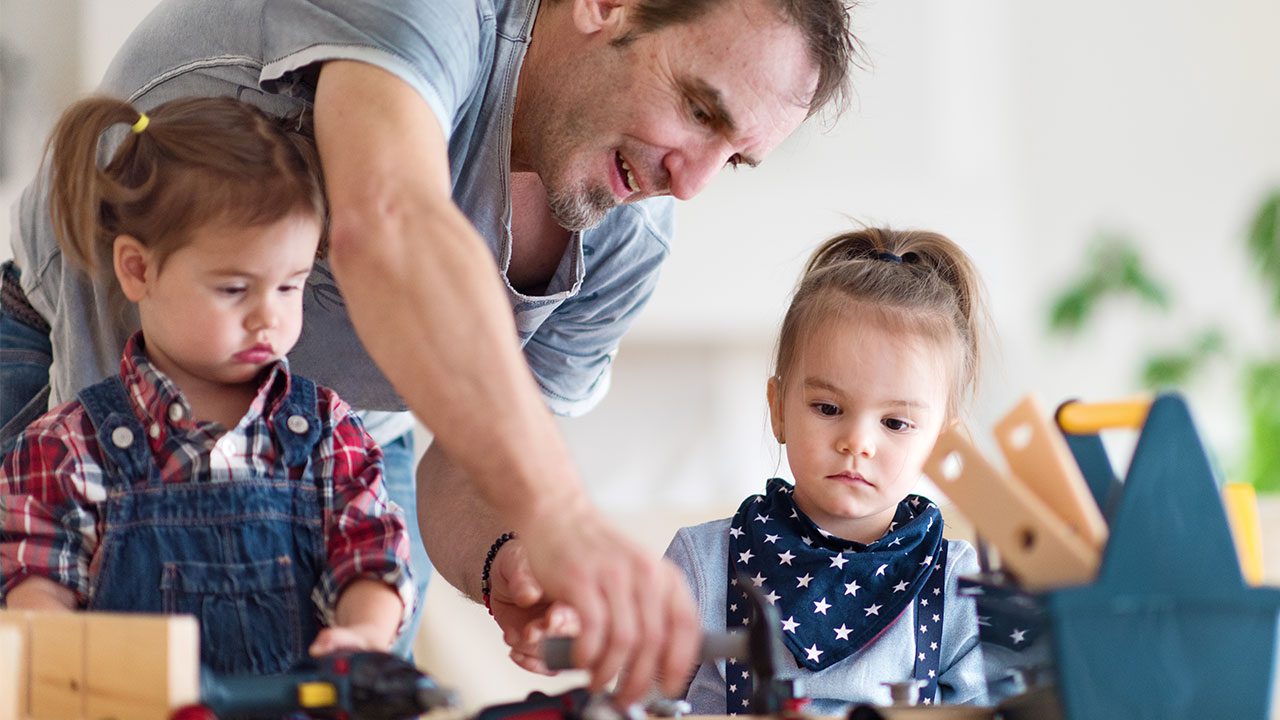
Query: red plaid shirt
pixel 52 491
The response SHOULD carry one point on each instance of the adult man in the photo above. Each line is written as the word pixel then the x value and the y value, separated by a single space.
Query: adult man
pixel 436 166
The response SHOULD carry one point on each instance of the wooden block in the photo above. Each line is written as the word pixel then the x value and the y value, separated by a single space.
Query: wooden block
pixel 13 681
pixel 1039 457
pixel 15 663
pixel 57 665
pixel 140 666
pixel 1033 541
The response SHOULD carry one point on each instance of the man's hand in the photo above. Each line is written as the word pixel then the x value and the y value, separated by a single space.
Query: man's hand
pixel 524 614
pixel 635 613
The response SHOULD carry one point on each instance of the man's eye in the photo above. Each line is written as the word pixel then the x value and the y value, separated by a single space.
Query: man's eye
pixel 700 116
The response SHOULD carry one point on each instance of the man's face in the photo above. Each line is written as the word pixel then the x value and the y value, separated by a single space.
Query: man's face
pixel 661 113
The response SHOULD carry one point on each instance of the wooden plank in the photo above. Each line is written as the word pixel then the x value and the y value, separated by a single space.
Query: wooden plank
pixel 140 667
pixel 57 665
pixel 1033 541
pixel 1039 457
pixel 13 680
pixel 15 662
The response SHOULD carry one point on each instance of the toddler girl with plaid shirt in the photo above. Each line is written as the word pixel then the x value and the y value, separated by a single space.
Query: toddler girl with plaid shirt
pixel 204 478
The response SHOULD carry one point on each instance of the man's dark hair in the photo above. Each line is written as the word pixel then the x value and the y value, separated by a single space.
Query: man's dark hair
pixel 824 24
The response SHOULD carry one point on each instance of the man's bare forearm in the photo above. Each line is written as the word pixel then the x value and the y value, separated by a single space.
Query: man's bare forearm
pixel 457 524
pixel 424 295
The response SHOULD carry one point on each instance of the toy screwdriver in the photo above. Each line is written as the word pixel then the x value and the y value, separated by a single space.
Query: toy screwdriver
pixel 351 686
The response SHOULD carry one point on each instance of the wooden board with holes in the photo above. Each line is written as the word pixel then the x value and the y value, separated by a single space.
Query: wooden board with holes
pixel 140 666
pixel 1039 457
pixel 1034 543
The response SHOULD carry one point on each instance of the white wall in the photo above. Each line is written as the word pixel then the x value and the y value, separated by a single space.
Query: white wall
pixel 1019 128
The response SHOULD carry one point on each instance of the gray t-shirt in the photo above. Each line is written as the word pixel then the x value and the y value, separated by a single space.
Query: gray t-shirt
pixel 702 551
pixel 463 57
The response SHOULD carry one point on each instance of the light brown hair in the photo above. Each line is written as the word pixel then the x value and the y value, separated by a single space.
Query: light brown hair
pixel 197 161
pixel 824 24
pixel 912 281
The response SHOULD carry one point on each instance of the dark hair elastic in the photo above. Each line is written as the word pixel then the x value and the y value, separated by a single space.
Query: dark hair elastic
pixel 889 257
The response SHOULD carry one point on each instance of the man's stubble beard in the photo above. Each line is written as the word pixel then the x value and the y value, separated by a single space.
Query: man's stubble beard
pixel 579 210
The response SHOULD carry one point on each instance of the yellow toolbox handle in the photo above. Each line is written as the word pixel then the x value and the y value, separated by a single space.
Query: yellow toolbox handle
pixel 1081 418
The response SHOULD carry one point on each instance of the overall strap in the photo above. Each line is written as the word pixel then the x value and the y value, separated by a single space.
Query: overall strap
pixel 297 423
pixel 121 436
pixel 930 604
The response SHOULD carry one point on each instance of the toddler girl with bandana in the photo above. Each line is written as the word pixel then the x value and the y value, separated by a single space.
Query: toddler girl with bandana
pixel 877 354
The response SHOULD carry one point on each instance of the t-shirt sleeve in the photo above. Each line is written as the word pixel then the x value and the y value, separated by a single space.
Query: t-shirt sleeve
pixel 571 353
pixel 434 46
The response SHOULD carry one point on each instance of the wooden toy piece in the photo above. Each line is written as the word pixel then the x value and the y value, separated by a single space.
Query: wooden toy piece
pixel 140 666
pixel 13 681
pixel 57 665
pixel 1242 511
pixel 15 664
pixel 1033 541
pixel 1038 456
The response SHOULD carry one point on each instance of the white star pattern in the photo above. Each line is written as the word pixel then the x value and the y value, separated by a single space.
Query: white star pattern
pixel 924 602
pixel 1018 636
pixel 803 581
pixel 924 629
pixel 735 532
pixel 757 580
pixel 842 632
pixel 772 538
pixel 921 656
pixel 785 557
pixel 936 617
pixel 880 570
pixel 852 588
pixel 733 688
pixel 807 540
pixel 821 606
pixel 772 597
pixel 873 610
pixel 790 624
pixel 933 646
pixel 762 518
pixel 895 541
pixel 926 561
pixel 745 557
pixel 838 561
pixel 901 586
pixel 733 607
pixel 812 652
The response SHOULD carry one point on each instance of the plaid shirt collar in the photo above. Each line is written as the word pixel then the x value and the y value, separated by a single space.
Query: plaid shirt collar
pixel 156 397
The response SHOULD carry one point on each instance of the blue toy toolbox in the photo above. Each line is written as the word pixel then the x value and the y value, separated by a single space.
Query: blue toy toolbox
pixel 1169 630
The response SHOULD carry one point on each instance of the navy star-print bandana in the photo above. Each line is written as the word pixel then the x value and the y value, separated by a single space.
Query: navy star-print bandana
pixel 833 596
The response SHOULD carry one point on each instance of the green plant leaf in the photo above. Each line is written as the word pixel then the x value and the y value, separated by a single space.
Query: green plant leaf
pixel 1264 243
pixel 1262 402
pixel 1114 268
pixel 1175 369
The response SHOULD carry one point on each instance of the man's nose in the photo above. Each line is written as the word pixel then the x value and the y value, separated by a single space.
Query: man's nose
pixel 690 169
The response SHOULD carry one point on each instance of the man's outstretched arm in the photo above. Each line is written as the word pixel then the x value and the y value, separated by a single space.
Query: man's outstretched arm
pixel 422 292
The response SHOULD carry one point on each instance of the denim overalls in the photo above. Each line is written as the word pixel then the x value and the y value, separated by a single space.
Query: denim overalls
pixel 243 557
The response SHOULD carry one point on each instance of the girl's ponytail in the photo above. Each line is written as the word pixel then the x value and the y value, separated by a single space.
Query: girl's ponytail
pixel 81 194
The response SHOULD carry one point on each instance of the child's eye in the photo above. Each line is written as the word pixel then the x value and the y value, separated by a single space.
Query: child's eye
pixel 232 290
pixel 827 409
pixel 898 424
pixel 289 288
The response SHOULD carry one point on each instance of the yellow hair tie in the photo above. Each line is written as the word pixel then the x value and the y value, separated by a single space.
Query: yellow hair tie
pixel 143 122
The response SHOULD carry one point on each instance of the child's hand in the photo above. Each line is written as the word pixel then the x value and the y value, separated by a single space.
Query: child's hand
pixel 354 638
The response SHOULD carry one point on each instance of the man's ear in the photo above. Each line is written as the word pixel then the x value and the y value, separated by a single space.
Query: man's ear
pixel 773 390
pixel 131 259
pixel 608 16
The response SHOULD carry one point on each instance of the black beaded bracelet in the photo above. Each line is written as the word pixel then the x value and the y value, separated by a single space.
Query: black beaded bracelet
pixel 503 539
